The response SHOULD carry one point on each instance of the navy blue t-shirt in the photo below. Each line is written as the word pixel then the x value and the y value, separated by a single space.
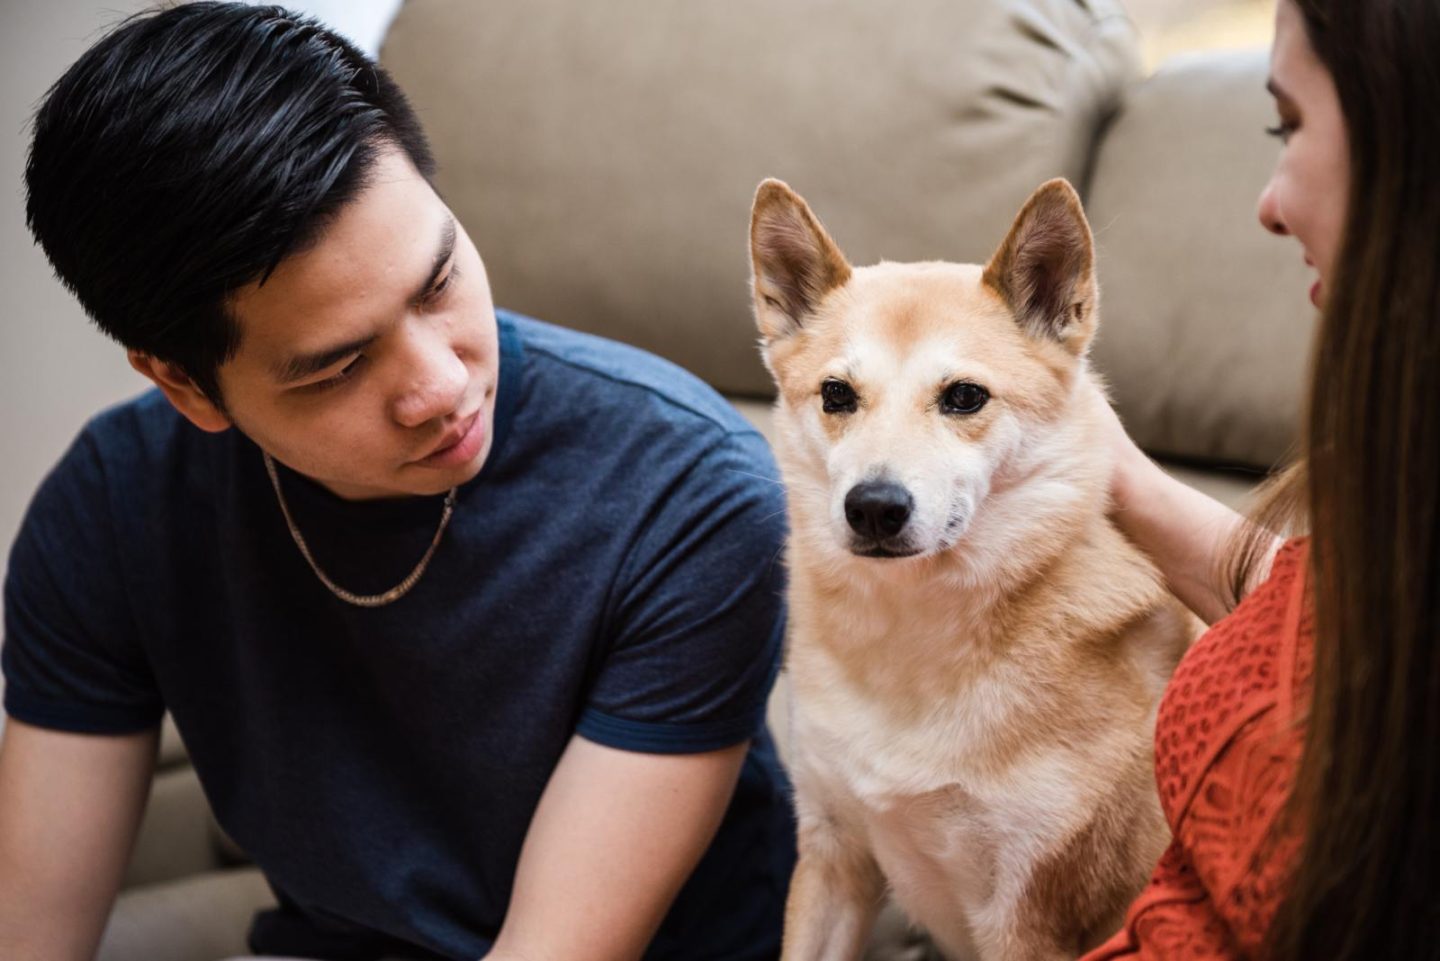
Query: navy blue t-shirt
pixel 614 571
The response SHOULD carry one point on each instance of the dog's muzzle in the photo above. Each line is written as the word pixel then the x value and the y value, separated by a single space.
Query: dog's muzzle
pixel 878 512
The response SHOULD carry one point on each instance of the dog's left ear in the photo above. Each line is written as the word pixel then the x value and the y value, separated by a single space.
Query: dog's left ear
pixel 1045 269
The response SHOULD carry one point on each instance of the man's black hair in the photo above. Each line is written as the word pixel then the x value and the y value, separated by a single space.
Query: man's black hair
pixel 188 153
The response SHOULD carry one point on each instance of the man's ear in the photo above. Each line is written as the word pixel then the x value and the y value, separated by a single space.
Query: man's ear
pixel 793 261
pixel 181 391
pixel 1045 269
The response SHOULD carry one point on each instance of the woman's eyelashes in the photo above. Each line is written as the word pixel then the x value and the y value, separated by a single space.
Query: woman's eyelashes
pixel 1287 119
pixel 1282 131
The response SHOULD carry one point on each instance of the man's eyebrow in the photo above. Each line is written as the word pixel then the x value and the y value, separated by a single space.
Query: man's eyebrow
pixel 1275 89
pixel 298 368
pixel 442 257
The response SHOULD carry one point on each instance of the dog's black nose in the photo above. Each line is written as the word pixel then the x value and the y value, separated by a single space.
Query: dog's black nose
pixel 878 509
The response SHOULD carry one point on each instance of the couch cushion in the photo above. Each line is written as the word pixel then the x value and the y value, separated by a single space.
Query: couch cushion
pixel 603 155
pixel 1205 322
pixel 177 835
pixel 206 916
pixel 172 748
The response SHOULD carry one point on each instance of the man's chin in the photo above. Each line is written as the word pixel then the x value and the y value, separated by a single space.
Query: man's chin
pixel 405 483
pixel 428 481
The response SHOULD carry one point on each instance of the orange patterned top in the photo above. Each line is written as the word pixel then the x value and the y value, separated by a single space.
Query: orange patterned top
pixel 1227 744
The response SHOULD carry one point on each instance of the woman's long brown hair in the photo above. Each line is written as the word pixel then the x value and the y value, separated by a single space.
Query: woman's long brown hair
pixel 1367 798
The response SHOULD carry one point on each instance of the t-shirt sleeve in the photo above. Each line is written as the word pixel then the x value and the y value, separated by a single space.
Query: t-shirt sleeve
pixel 699 612
pixel 70 654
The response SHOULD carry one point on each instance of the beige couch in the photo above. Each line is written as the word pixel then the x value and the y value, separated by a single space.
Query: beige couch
pixel 603 157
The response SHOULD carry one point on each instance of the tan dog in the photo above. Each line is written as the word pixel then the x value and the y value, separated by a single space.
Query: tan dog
pixel 975 652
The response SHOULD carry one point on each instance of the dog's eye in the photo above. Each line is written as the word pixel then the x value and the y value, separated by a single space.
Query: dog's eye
pixel 838 397
pixel 963 398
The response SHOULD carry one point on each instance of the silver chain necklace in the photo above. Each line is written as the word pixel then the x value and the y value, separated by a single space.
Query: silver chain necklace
pixel 360 600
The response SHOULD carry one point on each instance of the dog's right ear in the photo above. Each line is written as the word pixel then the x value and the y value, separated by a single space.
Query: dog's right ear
pixel 793 261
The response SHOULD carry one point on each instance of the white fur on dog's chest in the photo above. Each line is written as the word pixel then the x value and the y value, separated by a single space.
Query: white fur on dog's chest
pixel 857 754
pixel 876 752
pixel 947 833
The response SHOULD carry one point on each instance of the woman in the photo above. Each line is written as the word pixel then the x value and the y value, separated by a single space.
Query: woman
pixel 1296 744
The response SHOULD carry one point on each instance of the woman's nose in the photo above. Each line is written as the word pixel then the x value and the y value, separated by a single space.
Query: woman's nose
pixel 435 386
pixel 1269 211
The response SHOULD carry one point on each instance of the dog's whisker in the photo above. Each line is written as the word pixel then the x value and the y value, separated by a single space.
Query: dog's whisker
pixel 745 473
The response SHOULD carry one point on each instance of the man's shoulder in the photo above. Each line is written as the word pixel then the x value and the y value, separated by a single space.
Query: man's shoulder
pixel 95 497
pixel 632 377
pixel 142 437
pixel 146 413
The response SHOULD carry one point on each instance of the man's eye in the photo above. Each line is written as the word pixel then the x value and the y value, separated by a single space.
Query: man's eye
pixel 964 398
pixel 438 291
pixel 837 397
pixel 340 376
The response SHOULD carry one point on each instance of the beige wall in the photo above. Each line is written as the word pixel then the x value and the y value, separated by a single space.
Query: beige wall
pixel 55 368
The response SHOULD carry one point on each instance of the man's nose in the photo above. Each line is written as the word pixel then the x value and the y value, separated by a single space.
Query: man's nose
pixel 435 385
pixel 1269 211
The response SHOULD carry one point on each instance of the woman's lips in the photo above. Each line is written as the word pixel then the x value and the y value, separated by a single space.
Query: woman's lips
pixel 461 450
pixel 1315 291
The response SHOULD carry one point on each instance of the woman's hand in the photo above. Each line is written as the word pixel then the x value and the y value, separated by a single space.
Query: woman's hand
pixel 1131 471
pixel 1185 532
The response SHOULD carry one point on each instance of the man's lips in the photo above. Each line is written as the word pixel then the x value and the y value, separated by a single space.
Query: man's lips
pixel 459 445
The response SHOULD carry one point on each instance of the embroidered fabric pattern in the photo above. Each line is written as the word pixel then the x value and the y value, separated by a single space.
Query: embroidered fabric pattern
pixel 1227 742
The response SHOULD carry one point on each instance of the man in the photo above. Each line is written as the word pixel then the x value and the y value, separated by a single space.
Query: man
pixel 468 622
